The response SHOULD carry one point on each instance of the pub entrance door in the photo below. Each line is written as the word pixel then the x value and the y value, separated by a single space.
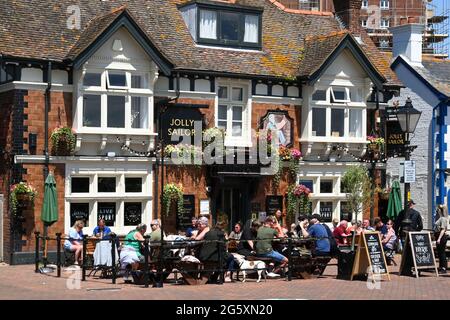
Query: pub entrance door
pixel 232 203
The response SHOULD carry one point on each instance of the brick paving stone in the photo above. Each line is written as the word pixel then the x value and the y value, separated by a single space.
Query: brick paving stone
pixel 21 282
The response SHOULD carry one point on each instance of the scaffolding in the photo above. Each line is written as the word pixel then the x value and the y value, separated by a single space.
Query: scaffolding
pixel 437 30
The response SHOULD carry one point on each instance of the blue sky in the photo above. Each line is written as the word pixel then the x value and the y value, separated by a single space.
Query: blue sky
pixel 442 5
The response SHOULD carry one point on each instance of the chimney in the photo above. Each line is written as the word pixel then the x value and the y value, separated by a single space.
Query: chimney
pixel 407 42
pixel 349 13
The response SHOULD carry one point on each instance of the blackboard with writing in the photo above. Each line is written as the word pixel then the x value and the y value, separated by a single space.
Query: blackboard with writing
pixel 107 212
pixel 418 253
pixel 422 249
pixel 375 252
pixel 273 203
pixel 184 219
pixel 79 211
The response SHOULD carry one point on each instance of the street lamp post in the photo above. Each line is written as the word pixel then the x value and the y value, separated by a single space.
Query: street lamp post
pixel 408 118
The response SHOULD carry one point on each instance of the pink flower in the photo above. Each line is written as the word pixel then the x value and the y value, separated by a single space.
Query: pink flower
pixel 296 154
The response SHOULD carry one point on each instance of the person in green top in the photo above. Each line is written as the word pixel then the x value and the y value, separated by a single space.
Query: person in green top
pixel 264 248
pixel 134 236
pixel 130 255
pixel 156 231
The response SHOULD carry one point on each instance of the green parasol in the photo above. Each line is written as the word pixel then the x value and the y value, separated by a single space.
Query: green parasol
pixel 49 214
pixel 395 201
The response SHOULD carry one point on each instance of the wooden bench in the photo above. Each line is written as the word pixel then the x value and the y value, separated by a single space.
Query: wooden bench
pixel 307 267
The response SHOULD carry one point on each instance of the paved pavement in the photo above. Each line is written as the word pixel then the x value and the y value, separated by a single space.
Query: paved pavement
pixel 20 282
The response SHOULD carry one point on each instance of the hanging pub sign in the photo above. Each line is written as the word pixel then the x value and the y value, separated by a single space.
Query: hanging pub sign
pixel 281 123
pixel 181 124
pixel 107 212
pixel 395 139
pixel 133 213
pixel 79 211
pixel 184 220
pixel 326 211
pixel 418 254
pixel 273 204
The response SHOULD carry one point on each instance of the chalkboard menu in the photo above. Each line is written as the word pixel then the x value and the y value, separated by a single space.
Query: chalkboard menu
pixel 107 212
pixel 273 204
pixel 375 251
pixel 326 211
pixel 422 249
pixel 418 253
pixel 79 211
pixel 184 220
pixel 133 213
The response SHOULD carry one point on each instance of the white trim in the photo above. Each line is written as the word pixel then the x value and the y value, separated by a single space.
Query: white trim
pixel 185 94
pixel 24 85
pixel 227 48
pixel 277 100
pixel 52 159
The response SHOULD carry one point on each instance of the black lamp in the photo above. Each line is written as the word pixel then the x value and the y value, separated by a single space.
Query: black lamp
pixel 408 117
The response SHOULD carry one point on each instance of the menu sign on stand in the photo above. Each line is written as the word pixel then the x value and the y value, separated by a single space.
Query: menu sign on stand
pixel 418 253
pixel 370 256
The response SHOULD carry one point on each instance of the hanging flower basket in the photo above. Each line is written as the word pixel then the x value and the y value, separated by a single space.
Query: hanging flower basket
pixel 172 193
pixel 21 194
pixel 375 143
pixel 298 199
pixel 63 141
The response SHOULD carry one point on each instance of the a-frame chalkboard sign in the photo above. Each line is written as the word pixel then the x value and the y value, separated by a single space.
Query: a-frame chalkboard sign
pixel 418 253
pixel 370 253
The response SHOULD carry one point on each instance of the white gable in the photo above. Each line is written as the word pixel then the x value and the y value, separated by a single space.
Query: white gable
pixel 121 51
pixel 345 67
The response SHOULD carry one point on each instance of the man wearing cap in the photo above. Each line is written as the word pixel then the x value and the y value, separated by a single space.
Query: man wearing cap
pixel 318 231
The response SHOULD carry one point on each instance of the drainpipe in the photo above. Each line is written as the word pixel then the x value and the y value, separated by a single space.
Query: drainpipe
pixel 47 108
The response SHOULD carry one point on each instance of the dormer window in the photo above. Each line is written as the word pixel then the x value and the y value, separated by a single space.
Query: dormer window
pixel 117 80
pixel 224 25
pixel 339 95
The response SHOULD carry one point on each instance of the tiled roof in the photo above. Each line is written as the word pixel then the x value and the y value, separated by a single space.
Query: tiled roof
pixel 39 29
pixel 317 49
pixel 437 74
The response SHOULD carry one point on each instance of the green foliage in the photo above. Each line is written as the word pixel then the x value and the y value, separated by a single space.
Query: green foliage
pixel 297 198
pixel 358 187
pixel 63 140
pixel 22 190
pixel 172 192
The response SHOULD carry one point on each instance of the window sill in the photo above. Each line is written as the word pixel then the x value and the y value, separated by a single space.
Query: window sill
pixel 116 131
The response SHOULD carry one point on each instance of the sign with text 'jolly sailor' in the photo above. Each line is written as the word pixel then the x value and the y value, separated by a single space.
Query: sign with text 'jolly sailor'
pixel 181 125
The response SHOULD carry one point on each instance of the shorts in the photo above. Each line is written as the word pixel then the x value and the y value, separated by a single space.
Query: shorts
pixel 274 255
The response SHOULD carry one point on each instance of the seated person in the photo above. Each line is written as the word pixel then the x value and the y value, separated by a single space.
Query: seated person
pixel 75 241
pixel 130 255
pixel 246 246
pixel 388 240
pixel 209 250
pixel 380 226
pixel 355 227
pixel 203 229
pixel 191 229
pixel 293 233
pixel 237 232
pixel 318 231
pixel 101 230
pixel 366 225
pixel 155 235
pixel 264 247
pixel 278 224
pixel 340 233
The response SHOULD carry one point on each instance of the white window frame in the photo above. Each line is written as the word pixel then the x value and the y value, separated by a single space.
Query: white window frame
pixel 104 91
pixel 383 24
pixel 346 105
pixel 120 197
pixel 365 4
pixel 384 4
pixel 364 23
pixel 230 140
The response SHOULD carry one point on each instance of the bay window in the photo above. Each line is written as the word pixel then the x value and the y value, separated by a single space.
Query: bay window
pixel 338 112
pixel 115 99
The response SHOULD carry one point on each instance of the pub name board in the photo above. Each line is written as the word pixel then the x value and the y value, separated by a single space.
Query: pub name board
pixel 395 139
pixel 181 123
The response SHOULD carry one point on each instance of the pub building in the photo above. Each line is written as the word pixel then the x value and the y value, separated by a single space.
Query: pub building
pixel 117 72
